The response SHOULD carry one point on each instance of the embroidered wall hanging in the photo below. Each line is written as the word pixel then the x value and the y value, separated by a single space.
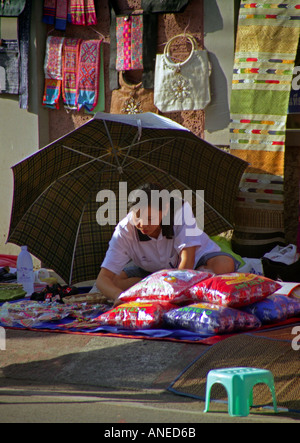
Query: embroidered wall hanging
pixel 70 62
pixel 55 12
pixel 74 69
pixel 83 12
pixel 267 42
pixel 53 71
pixel 77 12
pixel 88 74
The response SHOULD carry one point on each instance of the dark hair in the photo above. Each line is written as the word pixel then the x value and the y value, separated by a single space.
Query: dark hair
pixel 148 188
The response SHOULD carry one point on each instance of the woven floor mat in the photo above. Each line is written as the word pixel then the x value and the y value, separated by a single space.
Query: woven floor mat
pixel 273 352
pixel 281 333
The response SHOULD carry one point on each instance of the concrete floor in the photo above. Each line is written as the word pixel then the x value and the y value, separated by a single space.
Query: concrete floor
pixel 64 378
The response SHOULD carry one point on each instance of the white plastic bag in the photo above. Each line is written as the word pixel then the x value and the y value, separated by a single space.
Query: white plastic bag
pixel 252 266
pixel 283 254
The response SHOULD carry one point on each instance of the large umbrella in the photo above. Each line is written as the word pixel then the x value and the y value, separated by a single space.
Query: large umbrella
pixel 56 190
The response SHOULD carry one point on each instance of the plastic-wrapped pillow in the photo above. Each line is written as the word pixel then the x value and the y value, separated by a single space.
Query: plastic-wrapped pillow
pixel 274 309
pixel 136 315
pixel 233 290
pixel 210 319
pixel 167 285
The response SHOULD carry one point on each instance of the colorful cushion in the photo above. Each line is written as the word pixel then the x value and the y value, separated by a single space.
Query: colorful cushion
pixel 135 315
pixel 274 309
pixel 233 290
pixel 168 285
pixel 210 319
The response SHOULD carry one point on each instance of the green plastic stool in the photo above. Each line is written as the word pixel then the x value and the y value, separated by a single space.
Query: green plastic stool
pixel 239 383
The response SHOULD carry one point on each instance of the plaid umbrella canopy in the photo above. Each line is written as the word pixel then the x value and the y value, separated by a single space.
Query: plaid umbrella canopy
pixel 55 203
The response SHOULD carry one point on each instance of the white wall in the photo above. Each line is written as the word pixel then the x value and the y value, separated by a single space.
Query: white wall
pixel 219 41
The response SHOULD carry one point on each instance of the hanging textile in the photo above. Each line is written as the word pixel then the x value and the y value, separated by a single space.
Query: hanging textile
pixel 129 43
pixel 149 39
pixel 9 67
pixel 61 15
pixel 83 12
pixel 100 106
pixel 90 12
pixel 89 74
pixel 267 42
pixel 24 40
pixel 55 12
pixel 70 62
pixel 49 12
pixel 14 52
pixel 53 72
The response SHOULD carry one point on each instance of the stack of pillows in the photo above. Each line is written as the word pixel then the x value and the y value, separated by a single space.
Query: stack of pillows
pixel 201 302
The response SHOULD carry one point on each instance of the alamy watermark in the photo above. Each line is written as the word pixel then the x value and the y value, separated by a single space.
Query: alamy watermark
pixel 114 209
pixel 296 79
pixel 2 339
pixel 296 340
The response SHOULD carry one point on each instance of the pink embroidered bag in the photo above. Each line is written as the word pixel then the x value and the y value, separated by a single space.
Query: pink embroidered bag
pixel 129 33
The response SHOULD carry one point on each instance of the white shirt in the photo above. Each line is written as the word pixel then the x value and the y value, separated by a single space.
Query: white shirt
pixel 153 254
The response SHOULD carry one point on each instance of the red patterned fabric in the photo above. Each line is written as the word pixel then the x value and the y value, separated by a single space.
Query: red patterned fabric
pixel 53 71
pixel 129 34
pixel 88 74
pixel 90 13
pixel 70 61
pixel 83 12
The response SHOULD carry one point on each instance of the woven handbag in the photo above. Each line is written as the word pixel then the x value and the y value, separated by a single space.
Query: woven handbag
pixel 182 86
pixel 131 98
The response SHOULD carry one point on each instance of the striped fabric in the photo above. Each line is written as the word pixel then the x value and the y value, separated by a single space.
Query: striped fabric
pixel 129 31
pixel 82 12
pixel 70 61
pixel 267 42
pixel 53 72
pixel 55 198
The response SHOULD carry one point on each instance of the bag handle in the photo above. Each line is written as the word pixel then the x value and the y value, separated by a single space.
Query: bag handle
pixel 167 55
